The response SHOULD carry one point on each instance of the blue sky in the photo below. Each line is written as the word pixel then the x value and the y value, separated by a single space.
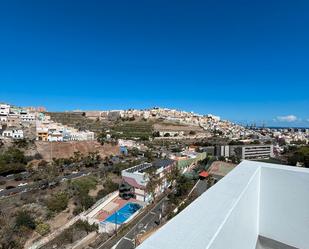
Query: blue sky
pixel 247 61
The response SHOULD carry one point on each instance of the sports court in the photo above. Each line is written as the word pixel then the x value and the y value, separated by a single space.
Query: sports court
pixel 220 168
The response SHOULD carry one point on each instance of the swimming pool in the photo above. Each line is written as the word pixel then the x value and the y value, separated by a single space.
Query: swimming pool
pixel 124 213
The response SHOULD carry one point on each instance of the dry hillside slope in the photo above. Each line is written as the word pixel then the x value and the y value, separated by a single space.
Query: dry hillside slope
pixel 49 150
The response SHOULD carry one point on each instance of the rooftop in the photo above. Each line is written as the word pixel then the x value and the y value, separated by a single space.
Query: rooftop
pixel 256 206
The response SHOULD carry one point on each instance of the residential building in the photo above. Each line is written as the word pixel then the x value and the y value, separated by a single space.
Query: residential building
pixel 137 177
pixel 28 117
pixel 4 109
pixel 256 206
pixel 13 120
pixel 13 133
pixel 42 134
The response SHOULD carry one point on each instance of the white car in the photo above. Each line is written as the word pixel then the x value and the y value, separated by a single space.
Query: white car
pixel 1 189
pixel 22 184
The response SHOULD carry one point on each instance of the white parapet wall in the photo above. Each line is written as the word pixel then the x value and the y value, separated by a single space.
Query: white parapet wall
pixel 254 199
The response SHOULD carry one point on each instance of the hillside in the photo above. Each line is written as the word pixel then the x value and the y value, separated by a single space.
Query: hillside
pixel 66 149
pixel 78 120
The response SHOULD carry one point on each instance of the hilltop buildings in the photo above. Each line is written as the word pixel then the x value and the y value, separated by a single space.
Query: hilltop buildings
pixel 47 130
pixel 256 206
pixel 14 120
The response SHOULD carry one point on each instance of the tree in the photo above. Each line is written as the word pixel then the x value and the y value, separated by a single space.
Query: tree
pixel 92 159
pixel 102 137
pixel 156 134
pixel 85 200
pixel 173 174
pixel 85 226
pixel 167 134
pixel 134 152
pixel 152 182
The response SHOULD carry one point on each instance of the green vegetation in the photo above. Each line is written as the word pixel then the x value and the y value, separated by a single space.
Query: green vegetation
pixel 299 155
pixel 21 143
pixel 81 188
pixel 84 184
pixel 42 228
pixel 12 160
pixel 24 219
pixel 182 188
pixel 134 129
pixel 85 226
pixel 108 187
pixel 58 202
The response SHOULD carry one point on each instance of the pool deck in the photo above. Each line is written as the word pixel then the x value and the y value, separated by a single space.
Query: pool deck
pixel 116 204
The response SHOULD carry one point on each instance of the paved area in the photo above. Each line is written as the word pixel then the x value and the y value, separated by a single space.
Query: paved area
pixel 266 243
pixel 201 187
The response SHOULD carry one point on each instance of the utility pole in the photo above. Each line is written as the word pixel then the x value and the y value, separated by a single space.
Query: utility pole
pixel 116 213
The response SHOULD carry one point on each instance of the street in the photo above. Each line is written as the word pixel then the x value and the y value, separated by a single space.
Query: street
pixel 39 184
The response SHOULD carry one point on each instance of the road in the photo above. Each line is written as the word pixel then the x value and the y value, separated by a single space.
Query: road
pixel 39 184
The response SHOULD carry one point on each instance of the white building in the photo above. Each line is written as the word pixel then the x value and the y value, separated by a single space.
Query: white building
pixel 138 177
pixel 256 206
pixel 4 109
pixel 246 152
pixel 13 133
pixel 28 117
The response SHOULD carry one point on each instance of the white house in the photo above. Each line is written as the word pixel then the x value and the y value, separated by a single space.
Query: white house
pixel 4 109
pixel 13 133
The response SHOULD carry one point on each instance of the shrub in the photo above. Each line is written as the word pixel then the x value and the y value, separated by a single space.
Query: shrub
pixel 58 202
pixel 24 219
pixel 42 228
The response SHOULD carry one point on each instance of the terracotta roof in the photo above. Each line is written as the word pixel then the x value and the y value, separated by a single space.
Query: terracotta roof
pixel 204 174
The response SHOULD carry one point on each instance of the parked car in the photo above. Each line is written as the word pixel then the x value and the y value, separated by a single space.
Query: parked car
pixel 22 184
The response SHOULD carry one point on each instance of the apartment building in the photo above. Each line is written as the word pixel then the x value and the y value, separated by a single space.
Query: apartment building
pixel 137 177
pixel 247 152
pixel 28 117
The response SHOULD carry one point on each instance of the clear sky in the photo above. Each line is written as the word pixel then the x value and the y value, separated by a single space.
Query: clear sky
pixel 246 61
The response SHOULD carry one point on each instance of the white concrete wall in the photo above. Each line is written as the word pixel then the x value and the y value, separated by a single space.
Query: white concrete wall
pixel 241 228
pixel 225 217
pixel 284 205
pixel 253 199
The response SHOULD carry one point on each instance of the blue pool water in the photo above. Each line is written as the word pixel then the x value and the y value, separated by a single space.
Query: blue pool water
pixel 124 213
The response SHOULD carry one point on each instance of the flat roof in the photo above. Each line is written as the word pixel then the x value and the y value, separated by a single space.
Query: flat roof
pixel 255 199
